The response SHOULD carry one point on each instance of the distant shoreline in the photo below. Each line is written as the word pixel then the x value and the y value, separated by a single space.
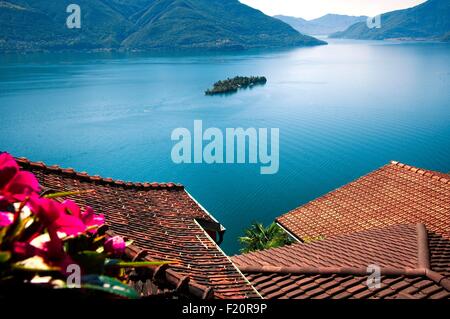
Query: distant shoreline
pixel 156 50
pixel 403 40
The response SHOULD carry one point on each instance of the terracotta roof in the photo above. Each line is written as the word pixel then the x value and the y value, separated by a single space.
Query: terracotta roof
pixel 165 222
pixel 394 194
pixel 414 263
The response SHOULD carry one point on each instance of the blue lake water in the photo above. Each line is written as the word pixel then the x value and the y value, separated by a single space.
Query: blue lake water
pixel 343 110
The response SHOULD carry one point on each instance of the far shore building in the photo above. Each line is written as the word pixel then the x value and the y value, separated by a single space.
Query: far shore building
pixel 392 225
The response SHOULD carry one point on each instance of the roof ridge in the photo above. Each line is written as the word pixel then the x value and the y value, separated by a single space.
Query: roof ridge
pixel 438 278
pixel 333 270
pixel 423 250
pixel 431 174
pixel 423 267
pixel 24 162
pixel 422 238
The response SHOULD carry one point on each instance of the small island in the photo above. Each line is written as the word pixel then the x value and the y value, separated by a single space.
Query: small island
pixel 236 83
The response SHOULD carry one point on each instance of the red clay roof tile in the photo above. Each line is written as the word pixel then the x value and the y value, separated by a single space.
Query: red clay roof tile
pixel 413 263
pixel 162 221
pixel 394 194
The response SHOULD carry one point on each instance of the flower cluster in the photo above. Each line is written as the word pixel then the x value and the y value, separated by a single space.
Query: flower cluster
pixel 44 234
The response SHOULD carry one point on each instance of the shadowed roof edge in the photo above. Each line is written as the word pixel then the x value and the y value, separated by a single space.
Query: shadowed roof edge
pixel 55 169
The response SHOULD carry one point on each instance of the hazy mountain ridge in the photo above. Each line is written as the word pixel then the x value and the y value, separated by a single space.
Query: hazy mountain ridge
pixel 32 25
pixel 324 25
pixel 429 20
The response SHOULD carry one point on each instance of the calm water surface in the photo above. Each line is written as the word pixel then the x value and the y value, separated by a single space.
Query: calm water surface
pixel 343 110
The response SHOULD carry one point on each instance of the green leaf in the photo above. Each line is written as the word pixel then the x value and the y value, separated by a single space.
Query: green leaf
pixel 48 280
pixel 91 261
pixel 109 285
pixel 23 219
pixel 78 244
pixel 129 242
pixel 34 264
pixel 101 231
pixel 138 264
pixel 258 237
pixel 71 193
pixel 4 256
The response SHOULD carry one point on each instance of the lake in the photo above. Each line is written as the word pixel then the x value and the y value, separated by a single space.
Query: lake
pixel 343 110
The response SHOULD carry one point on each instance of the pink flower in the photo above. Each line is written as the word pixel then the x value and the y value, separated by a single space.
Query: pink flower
pixel 72 208
pixel 21 185
pixel 55 218
pixel 52 253
pixel 8 168
pixel 90 219
pixel 115 246
pixel 15 185
pixel 25 250
pixel 6 219
pixel 65 217
pixel 47 245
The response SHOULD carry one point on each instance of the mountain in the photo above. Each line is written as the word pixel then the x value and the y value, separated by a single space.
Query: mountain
pixel 429 20
pixel 297 23
pixel 325 25
pixel 35 25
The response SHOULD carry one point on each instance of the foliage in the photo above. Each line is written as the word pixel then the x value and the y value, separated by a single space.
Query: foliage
pixel 238 82
pixel 429 20
pixel 257 237
pixel 143 25
pixel 311 239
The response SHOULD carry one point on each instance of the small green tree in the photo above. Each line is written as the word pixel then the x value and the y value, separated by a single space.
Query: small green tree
pixel 258 237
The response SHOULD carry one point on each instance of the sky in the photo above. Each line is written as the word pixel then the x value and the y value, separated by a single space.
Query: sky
pixel 311 9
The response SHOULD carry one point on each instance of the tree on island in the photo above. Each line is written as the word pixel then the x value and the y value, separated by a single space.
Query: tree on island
pixel 238 82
